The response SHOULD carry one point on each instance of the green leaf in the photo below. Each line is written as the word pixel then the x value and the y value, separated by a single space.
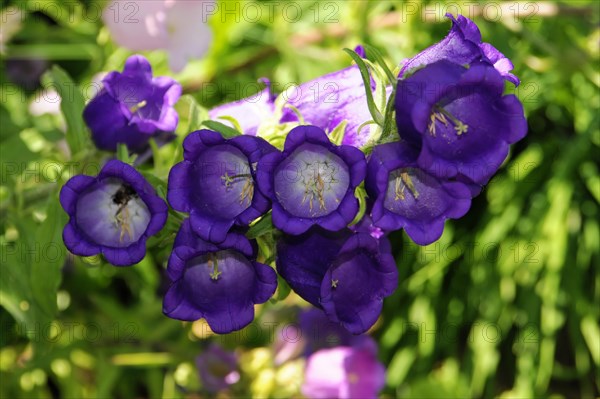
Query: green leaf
pixel 123 153
pixel 337 135
pixel 31 274
pixel 262 227
pixel 283 290
pixel 46 265
pixel 390 129
pixel 72 105
pixel 361 194
pixel 366 77
pixel 233 121
pixel 376 56
pixel 196 113
pixel 226 131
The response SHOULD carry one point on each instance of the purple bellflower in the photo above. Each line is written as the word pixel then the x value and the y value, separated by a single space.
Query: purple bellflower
pixel 312 181
pixel 318 332
pixel 217 282
pixel 331 99
pixel 462 46
pixel 132 107
pixel 303 260
pixel 404 196
pixel 344 372
pixel 112 214
pixel 459 118
pixel 249 112
pixel 313 332
pixel 346 274
pixel 218 368
pixel 325 102
pixel 215 183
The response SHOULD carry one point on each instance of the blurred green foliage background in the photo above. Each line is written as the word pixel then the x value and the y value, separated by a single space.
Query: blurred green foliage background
pixel 504 305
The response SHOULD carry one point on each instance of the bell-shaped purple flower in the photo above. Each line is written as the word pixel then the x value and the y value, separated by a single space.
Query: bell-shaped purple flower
pixel 112 214
pixel 459 118
pixel 331 99
pixel 217 282
pixel 318 332
pixel 218 368
pixel 346 274
pixel 363 273
pixel 132 107
pixel 313 332
pixel 404 196
pixel 249 112
pixel 312 181
pixel 215 183
pixel 303 260
pixel 324 102
pixel 344 372
pixel 462 46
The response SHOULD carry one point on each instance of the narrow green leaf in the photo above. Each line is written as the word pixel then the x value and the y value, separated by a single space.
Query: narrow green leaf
pixel 337 134
pixel 361 194
pixel 366 77
pixel 283 290
pixel 72 105
pixel 196 115
pixel 390 129
pixel 122 152
pixel 49 257
pixel 226 131
pixel 31 274
pixel 376 56
pixel 233 121
pixel 262 227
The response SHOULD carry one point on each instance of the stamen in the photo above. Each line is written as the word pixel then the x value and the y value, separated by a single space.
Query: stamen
pixel 123 222
pixel 440 114
pixel 316 184
pixel 227 179
pixel 138 106
pixel 247 189
pixel 408 181
pixel 401 182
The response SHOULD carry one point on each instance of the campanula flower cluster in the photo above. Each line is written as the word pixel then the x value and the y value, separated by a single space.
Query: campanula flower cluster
pixel 307 190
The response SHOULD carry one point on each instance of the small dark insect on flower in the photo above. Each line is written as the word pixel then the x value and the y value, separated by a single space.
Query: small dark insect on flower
pixel 122 196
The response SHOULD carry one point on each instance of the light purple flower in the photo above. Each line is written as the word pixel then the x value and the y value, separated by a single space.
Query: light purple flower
pixel 324 102
pixel 331 99
pixel 218 368
pixel 249 112
pixel 344 372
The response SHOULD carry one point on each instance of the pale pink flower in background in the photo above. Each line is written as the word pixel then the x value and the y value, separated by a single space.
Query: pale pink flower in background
pixel 12 18
pixel 178 26
pixel 46 101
